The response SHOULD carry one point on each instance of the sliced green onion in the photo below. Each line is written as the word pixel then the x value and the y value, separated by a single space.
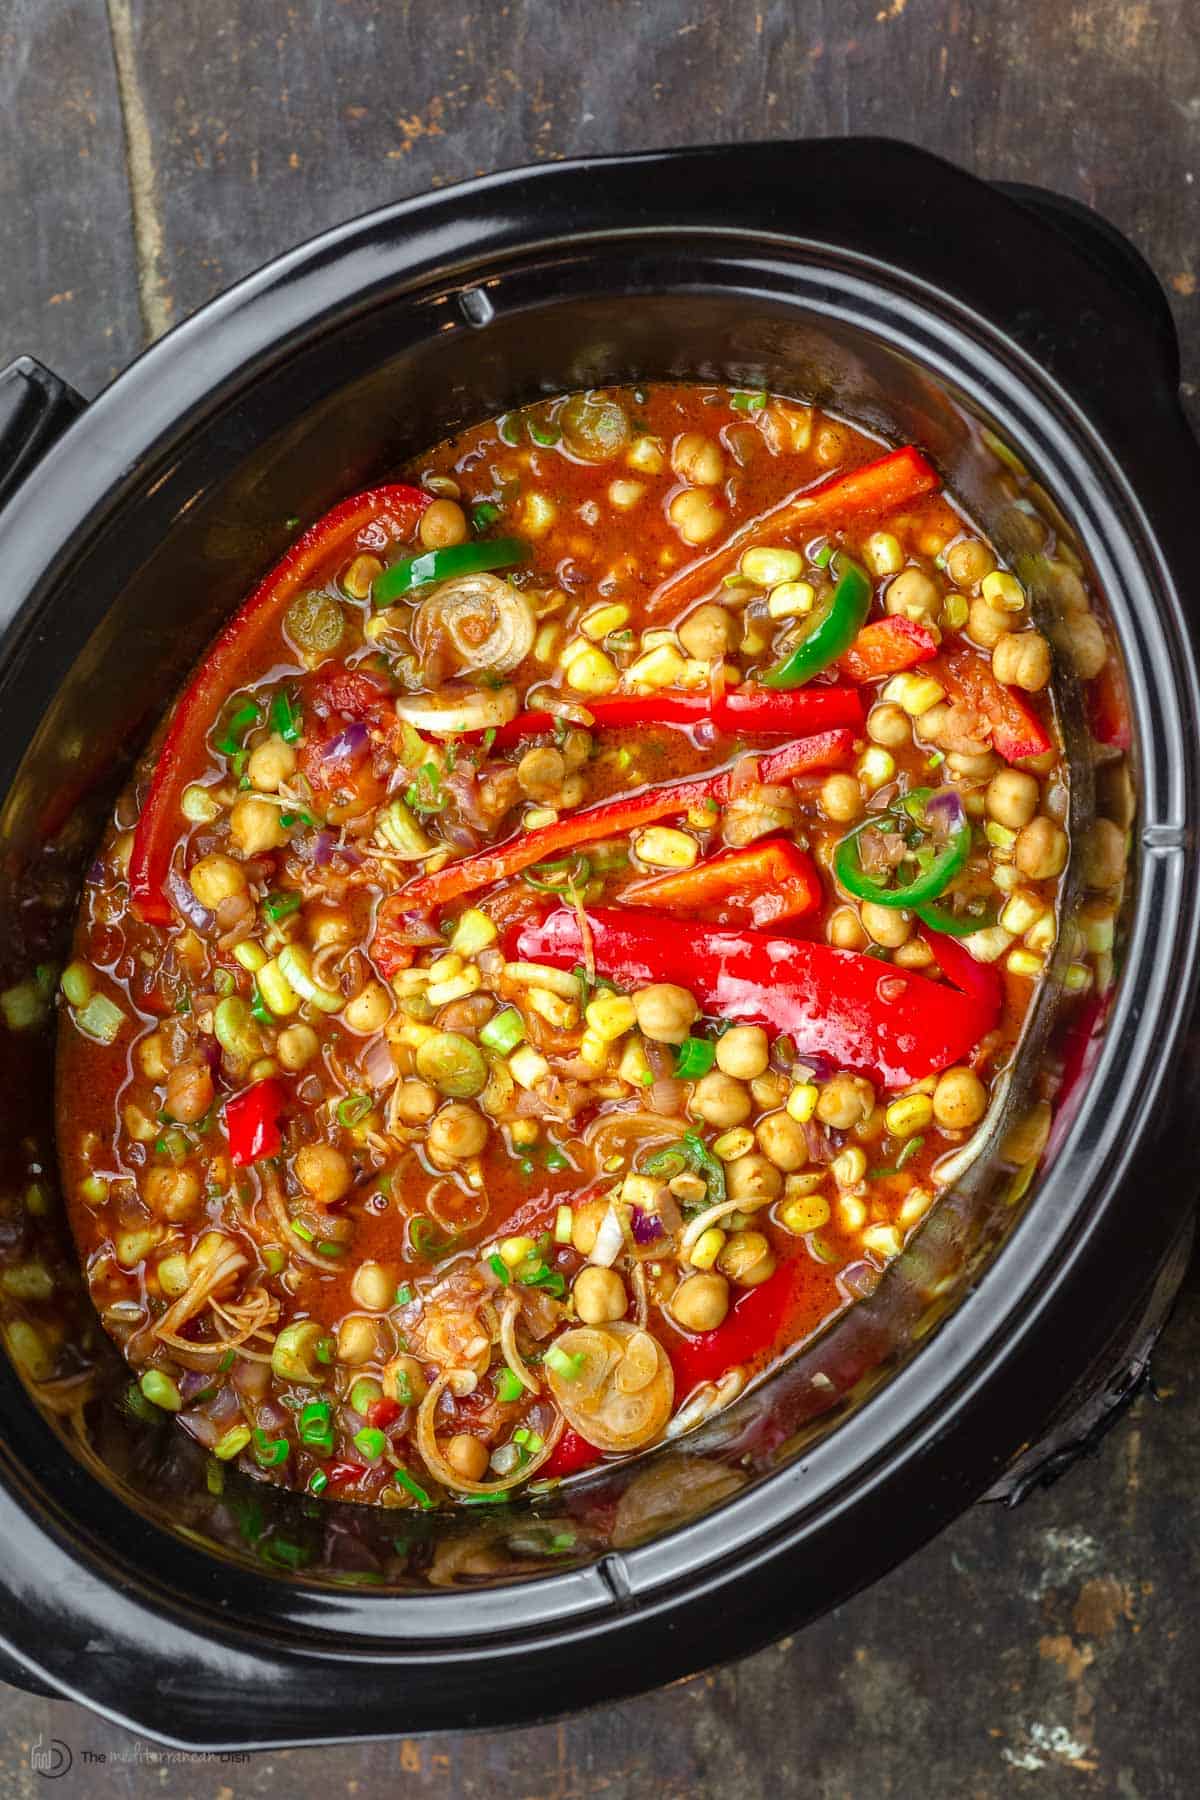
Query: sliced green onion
pixel 232 1444
pixel 557 1159
pixel 509 1385
pixel 566 1367
pixel 500 1499
pixel 242 720
pixel 318 1481
pixel 403 1479
pixel 282 905
pixel 503 1032
pixel 534 1273
pixel 316 1426
pixel 483 515
pixel 285 718
pixel 509 429
pixel 269 1452
pixel 545 435
pixel 695 1057
pixel 353 1108
pixel 77 983
pixel 101 1019
pixel 161 1391
pixel 499 1268
pixel 544 878
pixel 258 1007
pixel 753 402
pixel 370 1442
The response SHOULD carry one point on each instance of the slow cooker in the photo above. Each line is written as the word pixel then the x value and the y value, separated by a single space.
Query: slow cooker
pixel 995 328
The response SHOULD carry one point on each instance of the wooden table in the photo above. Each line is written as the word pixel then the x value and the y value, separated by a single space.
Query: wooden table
pixel 152 153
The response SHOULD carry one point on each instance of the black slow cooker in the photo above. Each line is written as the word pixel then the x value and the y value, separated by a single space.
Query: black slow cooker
pixel 999 330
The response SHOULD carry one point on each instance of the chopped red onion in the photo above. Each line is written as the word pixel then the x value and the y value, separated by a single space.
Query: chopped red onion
pixel 946 808
pixel 377 1065
pixel 186 904
pixel 348 745
pixel 646 1227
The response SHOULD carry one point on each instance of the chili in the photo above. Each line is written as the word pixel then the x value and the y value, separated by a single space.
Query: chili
pixel 447 564
pixel 832 632
pixel 938 871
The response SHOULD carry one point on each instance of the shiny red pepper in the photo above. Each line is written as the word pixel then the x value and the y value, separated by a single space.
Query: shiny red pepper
pixel 748 1333
pixel 383 1412
pixel 885 647
pixel 252 1122
pixel 860 1013
pixel 367 521
pixel 882 486
pixel 569 1456
pixel 827 750
pixel 1017 732
pixel 760 885
pixel 755 710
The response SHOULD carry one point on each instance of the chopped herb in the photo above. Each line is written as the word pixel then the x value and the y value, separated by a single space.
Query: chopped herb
pixel 259 1008
pixel 565 1366
pixel 526 1165
pixel 404 1293
pixel 499 1268
pixel 281 905
pixel 533 1272
pixel 290 819
pixel 483 515
pixel 509 1386
pixel 557 1159
pixel 695 1057
pixel 911 1149
pixel 243 719
pixel 285 718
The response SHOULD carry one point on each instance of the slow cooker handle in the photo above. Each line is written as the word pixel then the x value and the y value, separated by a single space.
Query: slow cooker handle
pixel 36 406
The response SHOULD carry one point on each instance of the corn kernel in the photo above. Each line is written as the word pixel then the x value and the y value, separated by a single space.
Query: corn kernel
pixel 524 1132
pixel 610 1016
pixel 917 1203
pixel 1003 591
pixel 807 1212
pixel 1006 877
pixel 852 1212
pixel 988 945
pixel 1097 922
pixel 548 642
pixel 562 1014
pixel 473 932
pixel 908 1115
pixel 915 694
pixel 1024 962
pixel 881 1240
pixel 646 455
pixel 277 991
pixel 956 611
pixel 594 1050
pixel 1021 910
pixel 641 1190
pixel 575 648
pixel 514 1250
pixel 849 1166
pixel 1077 978
pixel 634 1066
pixel 1000 837
pixel 252 956
pixel 802 1102
pixel 624 495
pixel 654 639
pixel 658 668
pixel 882 554
pixel 564 1220
pixel 694 673
pixel 537 816
pixel 458 987
pixel 876 767
pixel 1042 933
pixel 662 847
pixel 592 672
pixel 732 1144
pixel 527 1066
pixel 769 565
pixel 603 619
pixel 538 514
pixel 707 1247
pixel 359 576
pixel 791 599
pixel 446 966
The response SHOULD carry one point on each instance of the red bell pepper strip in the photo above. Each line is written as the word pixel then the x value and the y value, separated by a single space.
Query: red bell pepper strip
pixel 885 647
pixel 252 1122
pixel 860 1013
pixel 747 1334
pixel 882 486
pixel 1108 707
pixel 368 521
pixel 760 885
pixel 570 1456
pixel 755 710
pixel 641 807
pixel 1017 732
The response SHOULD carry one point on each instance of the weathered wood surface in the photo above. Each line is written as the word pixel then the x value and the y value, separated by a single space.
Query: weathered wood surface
pixel 152 152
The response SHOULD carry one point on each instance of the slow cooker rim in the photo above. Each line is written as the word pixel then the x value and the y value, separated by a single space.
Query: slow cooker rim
pixel 283 270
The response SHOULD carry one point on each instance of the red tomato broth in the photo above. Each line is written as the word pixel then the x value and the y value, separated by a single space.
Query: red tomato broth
pixel 168 978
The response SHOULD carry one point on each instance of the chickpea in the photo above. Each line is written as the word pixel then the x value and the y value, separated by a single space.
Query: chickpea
pixel 753 1180
pixel 698 459
pixel 987 624
pixel 1087 645
pixel 585 1225
pixel 442 523
pixel 720 1100
pixel 1025 1140
pixel 404 1381
pixel 742 1051
pixel 328 925
pixel 456 1132
pixel 1040 852
pixel 959 1099
pixel 467 1456
pixel 357 1341
pixel 171 1193
pixel 189 1092
pixel 576 749
pixel 665 1012
pixel 215 878
pixel 708 633
pixel 841 798
pixel 296 1046
pixel 152 1057
pixel 415 1102
pixel 254 826
pixel 695 517
pixel 270 764
pixel 832 445
pixel 770 1089
pixel 747 1258
pixel 782 1140
pixel 845 931
pixel 888 725
pixel 324 1172
pixel 599 1296
pixel 888 925
pixel 373 1287
pixel 844 1100
pixel 968 562
pixel 973 766
pixel 1104 855
pixel 1022 659
pixel 541 773
pixel 701 1302
pixel 369 1010
pixel 1012 798
pixel 913 595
